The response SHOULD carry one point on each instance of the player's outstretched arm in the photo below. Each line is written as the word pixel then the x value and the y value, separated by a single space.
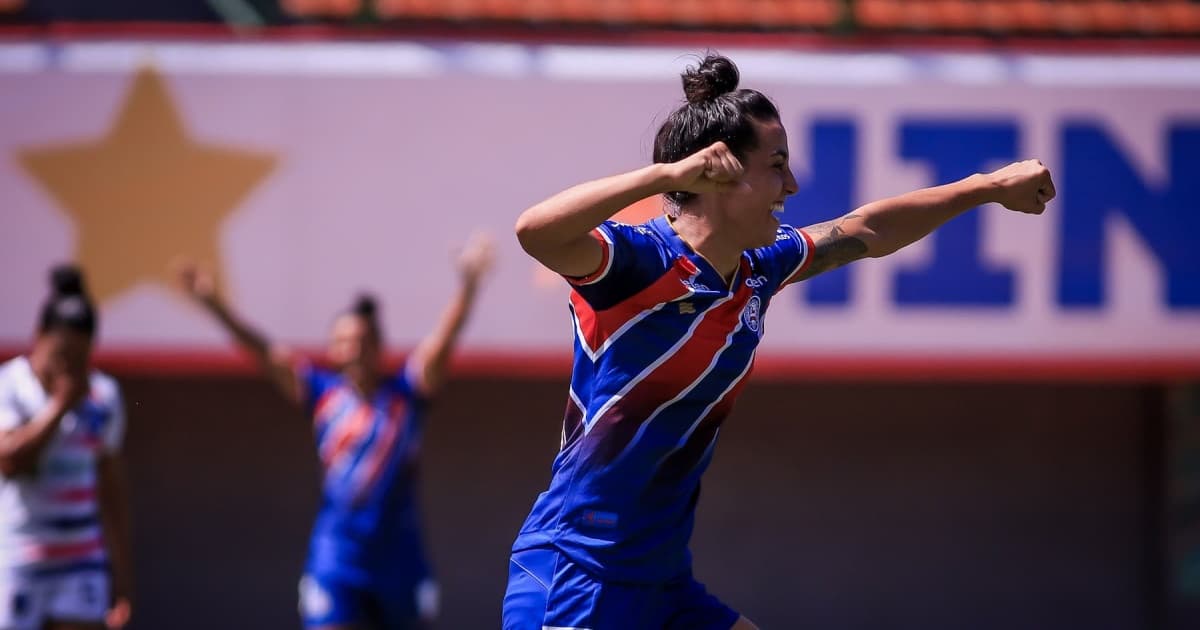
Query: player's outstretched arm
pixel 885 226
pixel 276 362
pixel 557 231
pixel 431 358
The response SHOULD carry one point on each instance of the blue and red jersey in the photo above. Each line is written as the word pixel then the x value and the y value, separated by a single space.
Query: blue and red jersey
pixel 368 527
pixel 663 346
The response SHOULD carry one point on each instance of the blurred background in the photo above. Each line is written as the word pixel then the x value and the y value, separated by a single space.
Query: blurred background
pixel 997 428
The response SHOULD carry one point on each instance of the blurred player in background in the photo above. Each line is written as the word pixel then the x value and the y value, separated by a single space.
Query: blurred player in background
pixel 64 542
pixel 366 565
pixel 667 316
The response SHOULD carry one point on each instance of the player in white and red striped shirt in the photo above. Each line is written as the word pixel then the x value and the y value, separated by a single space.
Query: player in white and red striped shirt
pixel 64 560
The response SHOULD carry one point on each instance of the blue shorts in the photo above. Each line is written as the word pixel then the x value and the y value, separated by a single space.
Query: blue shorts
pixel 403 605
pixel 546 589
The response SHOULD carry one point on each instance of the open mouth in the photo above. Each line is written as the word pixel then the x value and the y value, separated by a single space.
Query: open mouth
pixel 777 208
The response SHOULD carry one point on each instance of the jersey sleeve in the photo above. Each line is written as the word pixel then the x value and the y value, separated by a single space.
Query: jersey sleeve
pixel 10 415
pixel 114 429
pixel 315 382
pixel 407 383
pixel 631 258
pixel 786 259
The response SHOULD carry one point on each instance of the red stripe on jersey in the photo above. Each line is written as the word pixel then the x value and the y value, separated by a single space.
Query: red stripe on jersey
pixel 74 494
pixel 617 427
pixel 598 326
pixel 677 465
pixel 380 453
pixel 605 261
pixel 65 551
pixel 326 404
pixel 337 445
pixel 89 441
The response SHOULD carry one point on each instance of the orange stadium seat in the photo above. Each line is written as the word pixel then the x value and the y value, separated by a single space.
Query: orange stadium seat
pixel 537 10
pixel 462 9
pixel 921 15
pixel 1109 16
pixel 1147 18
pixel 615 11
pixel 652 11
pixel 578 11
pixel 1072 17
pixel 343 8
pixel 390 9
pixel 1031 16
pixel 734 12
pixel 956 15
pixel 766 13
pixel 879 14
pixel 297 8
pixel 1182 17
pixel 759 13
pixel 494 10
pixel 1002 16
pixel 815 13
pixel 684 13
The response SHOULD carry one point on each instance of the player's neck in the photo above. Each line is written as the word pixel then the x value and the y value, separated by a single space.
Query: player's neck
pixel 365 381
pixel 698 232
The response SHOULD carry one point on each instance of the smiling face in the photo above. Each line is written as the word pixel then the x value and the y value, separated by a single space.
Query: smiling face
pixel 746 214
pixel 353 344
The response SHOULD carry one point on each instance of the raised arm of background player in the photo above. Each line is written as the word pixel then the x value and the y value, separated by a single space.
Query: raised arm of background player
pixel 277 362
pixel 430 360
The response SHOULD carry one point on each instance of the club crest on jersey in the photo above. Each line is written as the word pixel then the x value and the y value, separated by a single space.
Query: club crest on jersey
pixel 751 314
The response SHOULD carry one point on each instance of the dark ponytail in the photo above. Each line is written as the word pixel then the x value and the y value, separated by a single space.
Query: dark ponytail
pixel 714 76
pixel 68 307
pixel 366 307
pixel 715 111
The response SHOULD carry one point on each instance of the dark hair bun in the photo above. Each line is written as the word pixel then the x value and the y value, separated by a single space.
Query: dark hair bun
pixel 365 306
pixel 716 75
pixel 66 280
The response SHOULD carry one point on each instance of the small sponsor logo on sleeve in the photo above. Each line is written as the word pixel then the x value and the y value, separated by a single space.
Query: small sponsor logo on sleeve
pixel 596 518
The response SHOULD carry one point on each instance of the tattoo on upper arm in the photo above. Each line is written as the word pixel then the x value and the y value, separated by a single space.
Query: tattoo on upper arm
pixel 832 246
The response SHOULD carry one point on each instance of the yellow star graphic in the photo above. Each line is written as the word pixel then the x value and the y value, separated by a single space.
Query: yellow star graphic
pixel 146 192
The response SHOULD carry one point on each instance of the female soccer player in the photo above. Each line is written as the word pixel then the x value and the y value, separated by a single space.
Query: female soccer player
pixel 64 543
pixel 366 567
pixel 667 316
